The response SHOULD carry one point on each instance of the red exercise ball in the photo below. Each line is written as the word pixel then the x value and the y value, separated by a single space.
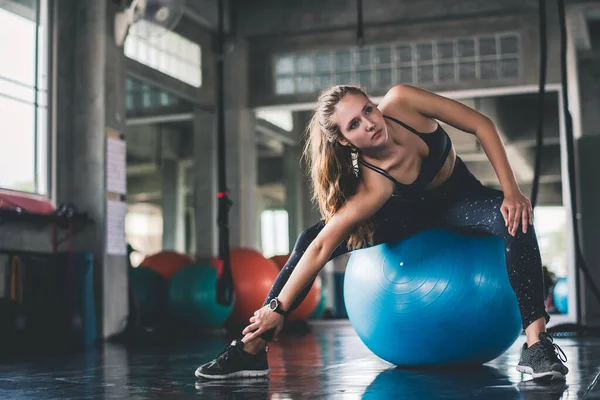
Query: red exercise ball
pixel 167 263
pixel 280 260
pixel 309 304
pixel 253 275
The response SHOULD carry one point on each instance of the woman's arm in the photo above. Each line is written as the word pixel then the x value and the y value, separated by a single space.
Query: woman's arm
pixel 518 208
pixel 464 118
pixel 358 208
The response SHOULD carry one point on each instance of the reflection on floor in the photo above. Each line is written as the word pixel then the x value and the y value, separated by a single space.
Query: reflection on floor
pixel 330 362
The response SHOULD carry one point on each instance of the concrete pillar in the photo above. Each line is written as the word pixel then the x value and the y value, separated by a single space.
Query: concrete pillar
pixel 173 203
pixel 242 161
pixel 205 185
pixel 114 271
pixel 89 104
pixel 293 180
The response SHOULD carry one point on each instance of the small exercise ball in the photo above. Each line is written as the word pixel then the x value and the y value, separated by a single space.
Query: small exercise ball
pixel 167 262
pixel 560 295
pixel 312 299
pixel 320 309
pixel 193 297
pixel 435 298
pixel 149 290
pixel 253 275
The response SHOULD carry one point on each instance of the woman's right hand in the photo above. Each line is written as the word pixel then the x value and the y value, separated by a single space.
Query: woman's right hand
pixel 262 321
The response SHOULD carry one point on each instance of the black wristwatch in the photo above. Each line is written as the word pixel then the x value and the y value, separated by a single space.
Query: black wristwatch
pixel 275 306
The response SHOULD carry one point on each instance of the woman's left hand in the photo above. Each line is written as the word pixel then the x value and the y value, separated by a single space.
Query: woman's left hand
pixel 516 210
pixel 262 321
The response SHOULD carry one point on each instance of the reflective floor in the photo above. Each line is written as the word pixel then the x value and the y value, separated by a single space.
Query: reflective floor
pixel 330 362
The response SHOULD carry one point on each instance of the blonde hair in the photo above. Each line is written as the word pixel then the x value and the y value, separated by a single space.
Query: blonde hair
pixel 332 169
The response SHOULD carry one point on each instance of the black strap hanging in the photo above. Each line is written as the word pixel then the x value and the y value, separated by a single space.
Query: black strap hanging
pixel 360 34
pixel 541 98
pixel 224 282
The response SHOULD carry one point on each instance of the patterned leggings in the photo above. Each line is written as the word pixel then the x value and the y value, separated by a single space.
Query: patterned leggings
pixel 462 204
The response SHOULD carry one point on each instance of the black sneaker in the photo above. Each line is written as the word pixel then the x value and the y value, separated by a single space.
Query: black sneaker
pixel 234 362
pixel 543 359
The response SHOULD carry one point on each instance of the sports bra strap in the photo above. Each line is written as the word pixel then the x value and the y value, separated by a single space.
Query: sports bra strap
pixel 410 128
pixel 379 170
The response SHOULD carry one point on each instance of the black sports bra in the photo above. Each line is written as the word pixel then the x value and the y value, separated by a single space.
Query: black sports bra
pixel 439 144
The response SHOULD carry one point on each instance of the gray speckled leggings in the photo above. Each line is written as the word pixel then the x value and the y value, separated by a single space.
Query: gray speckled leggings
pixel 462 204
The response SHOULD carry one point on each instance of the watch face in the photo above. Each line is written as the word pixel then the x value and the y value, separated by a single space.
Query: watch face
pixel 273 304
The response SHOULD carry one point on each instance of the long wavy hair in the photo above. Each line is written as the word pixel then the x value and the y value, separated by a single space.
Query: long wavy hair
pixel 332 166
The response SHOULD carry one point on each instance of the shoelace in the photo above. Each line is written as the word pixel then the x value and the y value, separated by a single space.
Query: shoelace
pixel 227 352
pixel 549 341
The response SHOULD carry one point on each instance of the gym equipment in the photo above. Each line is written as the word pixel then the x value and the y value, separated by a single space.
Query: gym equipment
pixel 435 298
pixel 167 263
pixel 193 297
pixel 560 296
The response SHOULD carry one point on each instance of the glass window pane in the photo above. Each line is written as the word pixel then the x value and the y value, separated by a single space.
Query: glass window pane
pixel 488 69
pixel 466 48
pixel 425 73
pixel 284 65
pixel 342 60
pixel 164 99
pixel 323 62
pixel 509 45
pixel 404 75
pixel 446 72
pixel 467 71
pixel 383 77
pixel 487 46
pixel 509 68
pixel 445 50
pixel 17 151
pixel 322 81
pixel 18 55
pixel 424 52
pixel 343 78
pixel 404 53
pixel 364 78
pixel 129 102
pixel 383 55
pixel 363 58
pixel 16 90
pixel 304 84
pixel 304 64
pixel 284 85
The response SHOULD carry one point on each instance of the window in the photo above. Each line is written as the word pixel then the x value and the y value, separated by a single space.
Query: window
pixel 142 95
pixel 143 230
pixel 165 51
pixel 24 96
pixel 488 57
pixel 274 232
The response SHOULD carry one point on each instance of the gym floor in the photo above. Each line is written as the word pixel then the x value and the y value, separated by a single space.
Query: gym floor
pixel 329 362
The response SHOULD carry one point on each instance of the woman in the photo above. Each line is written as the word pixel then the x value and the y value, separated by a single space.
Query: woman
pixel 379 178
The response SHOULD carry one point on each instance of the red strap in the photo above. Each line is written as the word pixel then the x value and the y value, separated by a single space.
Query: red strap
pixel 220 267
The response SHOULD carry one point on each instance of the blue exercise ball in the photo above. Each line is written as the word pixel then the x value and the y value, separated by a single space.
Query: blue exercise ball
pixel 560 295
pixel 436 298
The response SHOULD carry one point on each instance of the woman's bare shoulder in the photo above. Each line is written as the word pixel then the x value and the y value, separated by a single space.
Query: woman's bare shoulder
pixel 396 97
